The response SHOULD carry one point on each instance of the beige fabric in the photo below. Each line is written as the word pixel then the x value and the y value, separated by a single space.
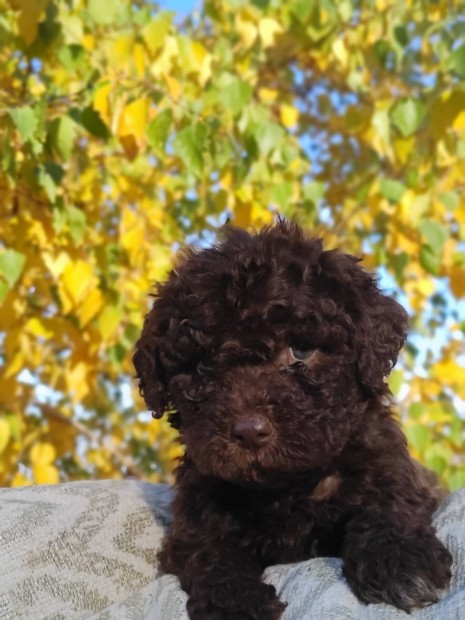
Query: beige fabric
pixel 87 550
pixel 71 550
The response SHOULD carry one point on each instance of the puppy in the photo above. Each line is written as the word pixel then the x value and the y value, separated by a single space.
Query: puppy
pixel 270 356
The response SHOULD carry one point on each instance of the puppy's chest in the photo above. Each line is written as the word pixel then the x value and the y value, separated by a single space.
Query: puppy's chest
pixel 292 530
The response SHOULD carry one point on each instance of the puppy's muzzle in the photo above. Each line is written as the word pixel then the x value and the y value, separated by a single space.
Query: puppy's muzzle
pixel 252 432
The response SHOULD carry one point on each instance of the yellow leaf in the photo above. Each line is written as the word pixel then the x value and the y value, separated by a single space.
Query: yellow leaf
pixel 36 327
pixel 289 115
pixel 20 480
pixel 16 364
pixel 76 377
pixel 88 42
pixel 459 122
pixel 268 29
pixel 139 60
pixel 449 372
pixel 56 264
pixel 90 306
pixel 202 61
pixel 246 30
pixel 175 452
pixel 109 320
pixel 102 102
pixel 5 433
pixel 403 148
pixel 170 53
pixel 45 474
pixel 174 87
pixel 77 279
pixel 425 286
pixel 267 95
pixel 243 213
pixel 444 112
pixel 154 34
pixel 42 454
pixel 132 125
pixel 340 51
pixel 122 48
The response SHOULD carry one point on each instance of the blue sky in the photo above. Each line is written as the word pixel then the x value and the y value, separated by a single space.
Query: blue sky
pixel 183 7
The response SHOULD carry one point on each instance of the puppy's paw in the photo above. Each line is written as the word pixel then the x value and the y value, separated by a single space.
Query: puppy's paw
pixel 406 573
pixel 231 603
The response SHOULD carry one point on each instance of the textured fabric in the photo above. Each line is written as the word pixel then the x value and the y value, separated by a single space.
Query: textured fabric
pixel 87 550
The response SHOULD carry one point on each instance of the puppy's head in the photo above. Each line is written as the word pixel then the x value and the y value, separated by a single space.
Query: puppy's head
pixel 266 350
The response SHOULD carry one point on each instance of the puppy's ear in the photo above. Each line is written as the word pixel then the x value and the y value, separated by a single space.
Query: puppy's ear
pixel 379 323
pixel 150 372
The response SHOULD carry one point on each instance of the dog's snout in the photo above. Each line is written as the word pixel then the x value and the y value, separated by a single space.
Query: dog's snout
pixel 252 432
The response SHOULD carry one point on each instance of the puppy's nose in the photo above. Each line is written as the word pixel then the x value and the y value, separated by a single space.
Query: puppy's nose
pixel 252 432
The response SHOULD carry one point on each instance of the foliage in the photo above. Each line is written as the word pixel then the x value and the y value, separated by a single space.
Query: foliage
pixel 124 133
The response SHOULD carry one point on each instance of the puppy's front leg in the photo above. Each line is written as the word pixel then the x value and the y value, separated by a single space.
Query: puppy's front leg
pixel 213 557
pixel 391 553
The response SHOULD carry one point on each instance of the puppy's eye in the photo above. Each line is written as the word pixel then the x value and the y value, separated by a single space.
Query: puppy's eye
pixel 300 352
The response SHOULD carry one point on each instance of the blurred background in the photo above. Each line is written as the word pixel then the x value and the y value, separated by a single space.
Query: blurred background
pixel 129 128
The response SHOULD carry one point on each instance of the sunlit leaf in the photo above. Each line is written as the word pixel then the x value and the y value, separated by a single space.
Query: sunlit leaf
pixel 236 95
pixel 104 13
pixel 408 115
pixel 11 265
pixel 4 434
pixel 159 129
pixel 25 120
pixel 189 145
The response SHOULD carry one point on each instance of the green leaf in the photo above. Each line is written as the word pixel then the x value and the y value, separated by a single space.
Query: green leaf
pixel 281 194
pixel 314 191
pixel 90 119
pixel 117 354
pixel 396 381
pixel 456 61
pixel 456 430
pixel 430 260
pixel 11 265
pixel 4 288
pixel 450 199
pixel 401 35
pixel 268 136
pixel 104 12
pixel 25 120
pixel 158 131
pixel 380 123
pixel 49 178
pixel 77 223
pixel 72 56
pixel 435 234
pixel 62 134
pixel 416 410
pixel 155 32
pixel 407 116
pixel 399 262
pixel 189 145
pixel 301 9
pixel 392 190
pixel 457 480
pixel 418 435
pixel 437 457
pixel 236 95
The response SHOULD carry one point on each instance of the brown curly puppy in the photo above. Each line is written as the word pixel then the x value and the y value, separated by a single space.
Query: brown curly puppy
pixel 270 355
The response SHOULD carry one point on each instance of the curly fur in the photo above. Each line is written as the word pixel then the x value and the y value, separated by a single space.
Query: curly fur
pixel 332 475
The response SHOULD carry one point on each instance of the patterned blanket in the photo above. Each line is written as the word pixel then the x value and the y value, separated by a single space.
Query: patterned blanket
pixel 87 550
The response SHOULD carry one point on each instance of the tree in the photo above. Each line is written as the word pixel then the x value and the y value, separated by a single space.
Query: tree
pixel 124 134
